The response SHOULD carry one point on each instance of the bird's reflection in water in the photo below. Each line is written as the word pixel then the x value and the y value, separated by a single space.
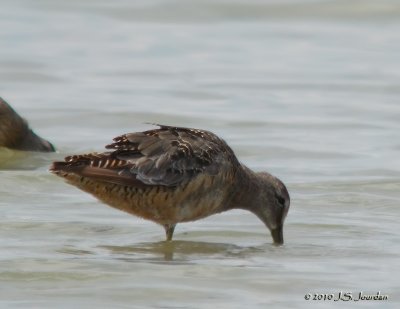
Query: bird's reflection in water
pixel 181 251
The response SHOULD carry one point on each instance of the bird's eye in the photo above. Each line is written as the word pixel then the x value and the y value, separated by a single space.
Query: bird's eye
pixel 280 199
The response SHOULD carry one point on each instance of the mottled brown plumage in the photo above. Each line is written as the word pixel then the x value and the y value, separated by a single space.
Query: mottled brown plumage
pixel 173 174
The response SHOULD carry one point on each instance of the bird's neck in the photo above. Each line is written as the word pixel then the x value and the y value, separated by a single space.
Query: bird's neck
pixel 245 190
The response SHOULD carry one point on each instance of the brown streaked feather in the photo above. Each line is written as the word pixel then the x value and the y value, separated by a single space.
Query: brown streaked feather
pixel 166 156
pixel 114 176
pixel 174 154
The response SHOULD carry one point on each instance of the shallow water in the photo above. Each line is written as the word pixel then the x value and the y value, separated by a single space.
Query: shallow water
pixel 307 90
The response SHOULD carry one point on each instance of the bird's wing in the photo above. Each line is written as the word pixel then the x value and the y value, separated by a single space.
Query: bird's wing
pixel 167 156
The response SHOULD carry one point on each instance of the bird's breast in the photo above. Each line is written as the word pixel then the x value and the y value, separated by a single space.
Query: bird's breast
pixel 199 198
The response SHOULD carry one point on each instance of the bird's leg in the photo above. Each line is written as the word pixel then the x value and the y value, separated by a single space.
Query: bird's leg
pixel 169 230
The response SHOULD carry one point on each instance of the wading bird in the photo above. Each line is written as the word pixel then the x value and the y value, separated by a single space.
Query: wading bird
pixel 172 174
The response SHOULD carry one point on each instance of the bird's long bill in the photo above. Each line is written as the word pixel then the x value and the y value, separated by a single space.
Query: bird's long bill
pixel 277 235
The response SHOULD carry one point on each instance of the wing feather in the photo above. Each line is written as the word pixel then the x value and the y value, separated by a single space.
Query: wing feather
pixel 166 156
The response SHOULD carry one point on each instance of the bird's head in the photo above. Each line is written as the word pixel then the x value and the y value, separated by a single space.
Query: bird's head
pixel 273 205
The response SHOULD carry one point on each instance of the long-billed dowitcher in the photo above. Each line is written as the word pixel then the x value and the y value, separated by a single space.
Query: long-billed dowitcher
pixel 172 174
pixel 16 134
